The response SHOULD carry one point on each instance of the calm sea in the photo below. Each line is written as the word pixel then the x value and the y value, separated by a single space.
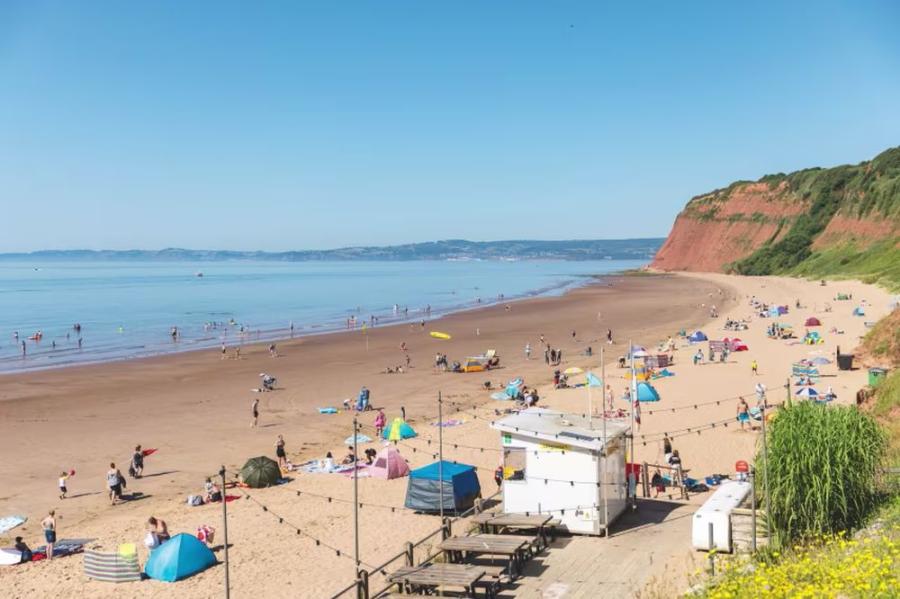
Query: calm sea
pixel 128 309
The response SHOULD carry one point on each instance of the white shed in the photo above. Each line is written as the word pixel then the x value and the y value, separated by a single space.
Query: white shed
pixel 561 464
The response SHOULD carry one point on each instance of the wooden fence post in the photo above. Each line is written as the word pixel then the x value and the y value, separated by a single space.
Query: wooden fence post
pixel 410 557
pixel 362 585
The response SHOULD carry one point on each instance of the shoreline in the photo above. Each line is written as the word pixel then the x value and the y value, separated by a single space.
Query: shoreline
pixel 285 335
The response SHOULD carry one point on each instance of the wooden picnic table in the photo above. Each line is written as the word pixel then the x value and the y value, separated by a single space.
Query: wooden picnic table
pixel 431 575
pixel 493 522
pixel 512 546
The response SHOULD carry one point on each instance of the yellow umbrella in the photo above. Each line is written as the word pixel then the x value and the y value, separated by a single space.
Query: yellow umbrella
pixel 572 370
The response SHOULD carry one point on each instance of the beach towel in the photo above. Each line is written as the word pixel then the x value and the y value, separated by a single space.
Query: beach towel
pixel 7 523
pixel 448 423
pixel 328 411
pixel 10 557
pixel 499 396
pixel 62 548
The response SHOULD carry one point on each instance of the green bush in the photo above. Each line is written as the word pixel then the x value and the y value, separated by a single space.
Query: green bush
pixel 821 472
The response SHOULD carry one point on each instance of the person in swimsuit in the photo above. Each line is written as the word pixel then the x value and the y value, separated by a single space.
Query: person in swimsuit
pixel 255 408
pixel 48 525
pixel 62 484
pixel 279 452
pixel 743 412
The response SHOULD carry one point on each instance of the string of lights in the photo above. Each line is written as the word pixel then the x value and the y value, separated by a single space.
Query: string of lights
pixel 300 532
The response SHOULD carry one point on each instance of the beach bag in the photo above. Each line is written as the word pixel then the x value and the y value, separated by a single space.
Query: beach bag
pixel 131 471
pixel 151 541
pixel 206 534
pixel 194 500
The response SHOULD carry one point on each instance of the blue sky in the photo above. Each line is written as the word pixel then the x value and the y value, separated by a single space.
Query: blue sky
pixel 292 125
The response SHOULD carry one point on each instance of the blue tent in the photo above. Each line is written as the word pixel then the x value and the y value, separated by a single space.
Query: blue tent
pixel 514 388
pixel 593 381
pixel 697 336
pixel 459 484
pixel 181 556
pixel 646 392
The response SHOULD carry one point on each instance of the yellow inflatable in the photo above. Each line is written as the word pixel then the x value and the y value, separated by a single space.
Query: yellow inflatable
pixel 439 335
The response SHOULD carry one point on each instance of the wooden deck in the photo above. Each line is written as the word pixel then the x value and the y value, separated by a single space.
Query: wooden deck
pixel 583 567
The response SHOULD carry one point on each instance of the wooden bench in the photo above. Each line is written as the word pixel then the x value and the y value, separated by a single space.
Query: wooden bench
pixel 432 575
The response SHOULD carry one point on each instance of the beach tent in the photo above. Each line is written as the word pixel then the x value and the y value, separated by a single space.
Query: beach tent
pixel 807 392
pixel 260 472
pixel 735 344
pixel 858 311
pixel 389 464
pixel 636 350
pixel 646 392
pixel 697 336
pixel 398 429
pixel 112 566
pixel 181 556
pixel 459 483
pixel 812 321
pixel 773 312
pixel 593 380
pixel 514 387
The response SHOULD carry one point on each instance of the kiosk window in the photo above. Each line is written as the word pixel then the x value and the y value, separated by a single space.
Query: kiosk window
pixel 514 463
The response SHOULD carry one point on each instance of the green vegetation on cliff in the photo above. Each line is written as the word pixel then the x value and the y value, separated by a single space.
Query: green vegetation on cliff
pixel 869 190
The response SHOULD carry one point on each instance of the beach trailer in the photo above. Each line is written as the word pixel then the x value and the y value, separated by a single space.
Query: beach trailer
pixel 561 464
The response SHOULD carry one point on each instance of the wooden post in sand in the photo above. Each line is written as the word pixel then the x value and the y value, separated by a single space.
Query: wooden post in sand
pixel 355 497
pixel 604 487
pixel 225 532
pixel 441 453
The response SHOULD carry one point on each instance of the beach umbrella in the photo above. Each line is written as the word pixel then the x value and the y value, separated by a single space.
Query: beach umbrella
pixel 398 429
pixel 572 370
pixel 260 472
pixel 360 438
pixel 807 392
pixel 812 321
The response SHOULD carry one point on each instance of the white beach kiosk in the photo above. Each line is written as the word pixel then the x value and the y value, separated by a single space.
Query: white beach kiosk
pixel 561 465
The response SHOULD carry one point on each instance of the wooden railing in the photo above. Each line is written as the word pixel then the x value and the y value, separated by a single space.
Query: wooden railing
pixel 360 588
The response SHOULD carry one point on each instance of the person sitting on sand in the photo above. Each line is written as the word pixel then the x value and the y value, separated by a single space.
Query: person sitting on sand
pixel 370 456
pixel 212 491
pixel 23 548
pixel 327 464
pixel 350 458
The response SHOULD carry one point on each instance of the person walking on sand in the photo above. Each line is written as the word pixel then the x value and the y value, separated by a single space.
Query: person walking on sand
pixel 137 462
pixel 527 351
pixel 224 351
pixel 609 336
pixel 754 367
pixel 610 398
pixel 380 421
pixel 114 483
pixel 255 409
pixel 280 453
pixel 48 525
pixel 743 412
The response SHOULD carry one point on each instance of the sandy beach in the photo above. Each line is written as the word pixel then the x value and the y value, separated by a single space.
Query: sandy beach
pixel 195 409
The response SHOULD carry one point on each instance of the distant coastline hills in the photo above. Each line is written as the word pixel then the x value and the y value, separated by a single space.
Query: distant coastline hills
pixel 452 249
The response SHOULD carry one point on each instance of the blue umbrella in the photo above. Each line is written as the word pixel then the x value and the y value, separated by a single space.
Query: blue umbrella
pixel 807 392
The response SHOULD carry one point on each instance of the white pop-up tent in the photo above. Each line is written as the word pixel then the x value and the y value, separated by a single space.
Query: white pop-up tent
pixel 563 465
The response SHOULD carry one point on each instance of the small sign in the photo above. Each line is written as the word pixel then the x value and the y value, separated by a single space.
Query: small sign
pixel 507 439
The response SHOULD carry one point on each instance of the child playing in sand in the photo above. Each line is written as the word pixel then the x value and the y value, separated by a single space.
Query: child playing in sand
pixel 62 484
pixel 754 367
